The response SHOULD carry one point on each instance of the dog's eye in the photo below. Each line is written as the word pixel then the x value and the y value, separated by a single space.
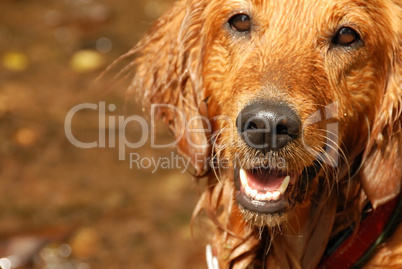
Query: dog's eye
pixel 240 23
pixel 346 36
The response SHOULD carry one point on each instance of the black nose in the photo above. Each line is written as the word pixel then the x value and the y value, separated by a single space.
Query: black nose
pixel 267 125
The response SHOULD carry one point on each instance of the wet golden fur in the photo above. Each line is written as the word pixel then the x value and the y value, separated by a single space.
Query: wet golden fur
pixel 191 59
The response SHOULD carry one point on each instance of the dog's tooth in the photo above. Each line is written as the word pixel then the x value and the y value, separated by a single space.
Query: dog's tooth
pixel 284 185
pixel 248 190
pixel 275 195
pixel 253 193
pixel 243 178
pixel 269 195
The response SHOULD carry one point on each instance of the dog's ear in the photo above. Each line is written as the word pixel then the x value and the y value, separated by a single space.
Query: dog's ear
pixel 168 79
pixel 382 160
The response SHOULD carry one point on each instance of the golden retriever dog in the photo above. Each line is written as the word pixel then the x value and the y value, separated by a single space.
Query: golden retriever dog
pixel 292 111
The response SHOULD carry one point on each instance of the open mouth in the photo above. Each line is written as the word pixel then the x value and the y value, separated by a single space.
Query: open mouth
pixel 264 190
pixel 271 192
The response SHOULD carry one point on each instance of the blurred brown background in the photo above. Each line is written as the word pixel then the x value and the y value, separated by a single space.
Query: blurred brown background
pixel 66 207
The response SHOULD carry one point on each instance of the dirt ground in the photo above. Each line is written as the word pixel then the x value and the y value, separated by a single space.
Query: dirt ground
pixel 62 206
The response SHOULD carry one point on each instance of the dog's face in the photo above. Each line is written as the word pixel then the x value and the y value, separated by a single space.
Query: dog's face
pixel 293 87
pixel 301 94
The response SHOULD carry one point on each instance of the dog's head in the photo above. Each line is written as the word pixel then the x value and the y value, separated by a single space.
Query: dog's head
pixel 294 95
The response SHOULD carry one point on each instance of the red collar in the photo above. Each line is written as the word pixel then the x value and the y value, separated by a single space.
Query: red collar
pixel 359 244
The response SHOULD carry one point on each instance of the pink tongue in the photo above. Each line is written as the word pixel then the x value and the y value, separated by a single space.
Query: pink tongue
pixel 264 181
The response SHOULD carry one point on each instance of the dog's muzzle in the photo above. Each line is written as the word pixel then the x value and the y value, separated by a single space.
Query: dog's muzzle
pixel 265 127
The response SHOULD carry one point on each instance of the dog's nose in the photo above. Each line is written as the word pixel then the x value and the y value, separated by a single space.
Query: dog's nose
pixel 267 125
